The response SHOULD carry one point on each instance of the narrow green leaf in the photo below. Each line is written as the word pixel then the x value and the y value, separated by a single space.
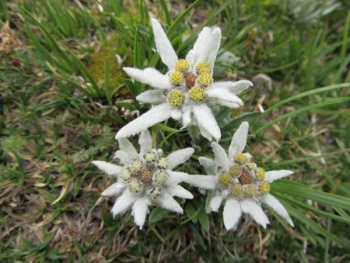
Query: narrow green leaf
pixel 307 207
pixel 177 23
pixel 203 219
pixel 303 109
pixel 300 190
pixel 158 214
pixel 166 11
pixel 314 226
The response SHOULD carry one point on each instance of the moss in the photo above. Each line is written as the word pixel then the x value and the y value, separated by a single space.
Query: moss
pixel 96 64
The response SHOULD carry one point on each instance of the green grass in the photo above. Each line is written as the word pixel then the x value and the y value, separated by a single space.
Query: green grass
pixel 63 97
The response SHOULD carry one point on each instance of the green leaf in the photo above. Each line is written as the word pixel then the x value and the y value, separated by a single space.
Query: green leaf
pixel 303 109
pixel 204 219
pixel 303 191
pixel 158 214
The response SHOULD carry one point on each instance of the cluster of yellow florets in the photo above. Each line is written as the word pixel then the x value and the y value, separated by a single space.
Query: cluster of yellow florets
pixel 176 98
pixel 244 178
pixel 182 65
pixel 176 78
pixel 194 82
pixel 151 171
pixel 196 93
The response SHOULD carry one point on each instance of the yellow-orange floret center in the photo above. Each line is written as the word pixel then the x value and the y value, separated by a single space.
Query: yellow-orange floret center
pixel 204 79
pixel 176 98
pixel 196 93
pixel 176 78
pixel 182 65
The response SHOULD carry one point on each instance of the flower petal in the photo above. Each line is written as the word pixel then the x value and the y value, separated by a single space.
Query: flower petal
pixel 211 48
pixel 149 76
pixel 201 181
pixel 220 156
pixel 215 203
pixel 186 117
pixel 108 168
pixel 122 203
pixel 239 140
pixel 176 114
pixel 215 102
pixel 126 146
pixel 168 202
pixel 114 190
pixel 206 120
pixel 205 133
pixel 194 54
pixel 275 175
pixel 277 206
pixel 145 142
pixel 124 157
pixel 232 214
pixel 151 97
pixel 140 210
pixel 154 115
pixel 178 157
pixel 209 165
pixel 179 191
pixel 164 47
pixel 224 95
pixel 235 87
pixel 255 211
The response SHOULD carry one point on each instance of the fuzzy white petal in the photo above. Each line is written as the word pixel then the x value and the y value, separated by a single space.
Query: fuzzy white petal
pixel 201 181
pixel 211 48
pixel 168 202
pixel 206 120
pixel 215 203
pixel 145 142
pixel 108 168
pixel 194 54
pixel 176 177
pixel 153 116
pixel 205 133
pixel 277 206
pixel 176 114
pixel 164 47
pixel 178 157
pixel 179 191
pixel 124 157
pixel 149 76
pixel 140 210
pixel 209 165
pixel 126 146
pixel 239 140
pixel 220 156
pixel 232 213
pixel 114 190
pixel 214 102
pixel 151 97
pixel 122 203
pixel 271 176
pixel 235 87
pixel 224 95
pixel 186 117
pixel 255 211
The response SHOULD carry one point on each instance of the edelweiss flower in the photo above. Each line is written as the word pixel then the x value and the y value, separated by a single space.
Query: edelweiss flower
pixel 146 178
pixel 186 91
pixel 241 183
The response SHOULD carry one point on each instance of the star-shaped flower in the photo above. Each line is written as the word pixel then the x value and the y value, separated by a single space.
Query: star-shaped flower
pixel 147 177
pixel 241 183
pixel 187 90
